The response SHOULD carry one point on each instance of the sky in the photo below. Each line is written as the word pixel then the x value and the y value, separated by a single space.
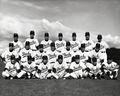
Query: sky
pixel 54 16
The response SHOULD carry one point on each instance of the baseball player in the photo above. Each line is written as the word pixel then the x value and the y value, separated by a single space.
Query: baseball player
pixel 68 53
pixel 89 44
pixel 44 68
pixel 28 69
pixel 111 69
pixel 25 52
pixel 12 68
pixel 33 42
pixel 101 57
pixel 17 44
pixel 46 43
pixel 103 44
pixel 60 44
pixel 76 68
pixel 58 67
pixel 7 54
pixel 75 44
pixel 38 54
pixel 94 69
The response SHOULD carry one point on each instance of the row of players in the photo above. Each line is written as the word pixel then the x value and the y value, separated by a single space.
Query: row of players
pixel 75 64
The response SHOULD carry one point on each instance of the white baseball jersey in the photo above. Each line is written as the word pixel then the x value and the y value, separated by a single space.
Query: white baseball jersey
pixel 18 46
pixel 89 45
pixel 52 56
pixel 75 45
pixel 75 66
pixel 59 67
pixel 43 68
pixel 38 56
pixel 46 45
pixel 67 55
pixel 83 55
pixel 103 46
pixel 7 54
pixel 111 66
pixel 60 45
pixel 11 66
pixel 24 53
pixel 33 43
pixel 98 55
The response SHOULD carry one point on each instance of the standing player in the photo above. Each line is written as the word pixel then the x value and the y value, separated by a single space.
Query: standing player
pixel 74 43
pixel 103 44
pixel 68 53
pixel 17 44
pixel 89 44
pixel 33 42
pixel 7 54
pixel 60 44
pixel 25 52
pixel 46 43
pixel 12 68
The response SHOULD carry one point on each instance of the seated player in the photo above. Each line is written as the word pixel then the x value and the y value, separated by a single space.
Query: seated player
pixel 68 53
pixel 38 54
pixel 11 68
pixel 33 42
pixel 102 57
pixel 60 43
pixel 8 53
pixel 46 43
pixel 25 52
pixel 89 44
pixel 103 44
pixel 111 69
pixel 17 44
pixel 75 44
pixel 94 69
pixel 76 68
pixel 44 70
pixel 58 68
pixel 28 69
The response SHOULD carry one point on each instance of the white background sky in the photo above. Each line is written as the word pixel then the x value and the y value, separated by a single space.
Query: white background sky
pixel 95 16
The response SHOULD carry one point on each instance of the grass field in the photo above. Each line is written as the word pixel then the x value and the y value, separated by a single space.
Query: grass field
pixel 35 87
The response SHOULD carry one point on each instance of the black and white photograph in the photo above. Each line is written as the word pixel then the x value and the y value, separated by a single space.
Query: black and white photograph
pixel 59 47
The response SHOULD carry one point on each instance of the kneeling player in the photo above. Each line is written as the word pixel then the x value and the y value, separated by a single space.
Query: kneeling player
pixel 111 69
pixel 11 69
pixel 58 69
pixel 28 69
pixel 94 69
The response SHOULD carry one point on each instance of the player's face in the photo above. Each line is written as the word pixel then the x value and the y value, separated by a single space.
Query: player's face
pixel 87 37
pixel 68 48
pixel 15 39
pixel 29 61
pixel 74 38
pixel 60 61
pixel 97 49
pixel 13 61
pixel 82 49
pixel 94 63
pixel 99 40
pixel 109 61
pixel 41 49
pixel 60 38
pixel 52 48
pixel 27 47
pixel 32 36
pixel 45 61
pixel 46 38
pixel 11 48
pixel 77 61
